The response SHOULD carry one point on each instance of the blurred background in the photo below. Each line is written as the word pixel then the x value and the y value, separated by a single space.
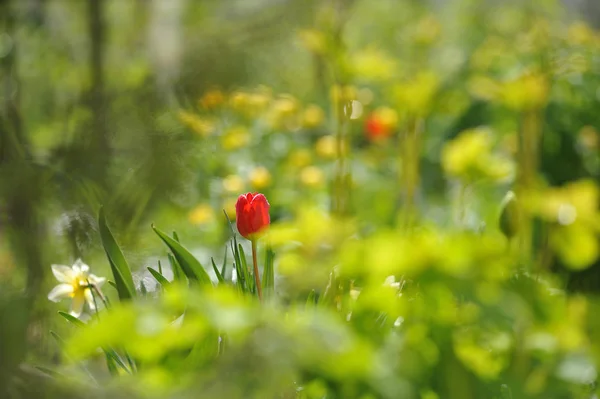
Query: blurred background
pixel 164 111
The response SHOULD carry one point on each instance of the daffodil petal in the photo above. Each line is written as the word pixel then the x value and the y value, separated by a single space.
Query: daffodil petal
pixel 97 281
pixel 60 291
pixel 77 304
pixel 89 298
pixel 64 274
pixel 81 267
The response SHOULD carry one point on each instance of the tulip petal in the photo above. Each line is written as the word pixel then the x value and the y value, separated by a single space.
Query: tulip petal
pixel 77 304
pixel 63 274
pixel 260 213
pixel 60 291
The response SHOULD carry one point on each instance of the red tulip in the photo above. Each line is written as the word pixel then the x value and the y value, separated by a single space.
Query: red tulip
pixel 252 214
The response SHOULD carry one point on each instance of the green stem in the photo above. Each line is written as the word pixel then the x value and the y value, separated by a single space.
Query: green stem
pixel 410 148
pixel 530 135
pixel 256 275
pixel 90 287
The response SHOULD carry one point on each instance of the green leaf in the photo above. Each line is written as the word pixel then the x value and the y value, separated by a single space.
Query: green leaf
pixel 57 338
pixel 224 266
pixel 71 319
pixel 217 272
pixel 241 281
pixel 110 363
pixel 112 354
pixel 249 282
pixel 175 236
pixel 159 277
pixel 178 274
pixel 118 264
pixel 269 273
pixel 192 268
pixel 112 358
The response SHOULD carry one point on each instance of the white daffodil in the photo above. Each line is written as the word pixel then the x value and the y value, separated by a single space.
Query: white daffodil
pixel 74 283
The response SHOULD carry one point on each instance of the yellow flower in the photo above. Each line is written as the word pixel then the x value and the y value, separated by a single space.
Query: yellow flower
pixel 212 98
pixel 416 95
pixel 233 184
pixel 313 116
pixel 528 92
pixel 469 156
pixel 326 147
pixel 201 126
pixel 202 214
pixel 239 100
pixel 374 65
pixel 283 113
pixel 258 102
pixel 251 104
pixel 300 158
pixel 311 176
pixel 74 283
pixel 580 34
pixel 236 137
pixel 314 41
pixel 260 178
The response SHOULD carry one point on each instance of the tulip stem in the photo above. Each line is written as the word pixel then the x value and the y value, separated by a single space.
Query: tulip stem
pixel 256 275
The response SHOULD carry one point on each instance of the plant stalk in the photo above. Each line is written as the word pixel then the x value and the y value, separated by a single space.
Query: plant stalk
pixel 256 275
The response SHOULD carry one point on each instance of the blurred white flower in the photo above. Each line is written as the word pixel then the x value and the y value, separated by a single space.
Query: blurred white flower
pixel 390 281
pixel 74 283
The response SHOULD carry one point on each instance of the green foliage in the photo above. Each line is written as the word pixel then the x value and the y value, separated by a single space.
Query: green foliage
pixel 118 264
pixel 192 268
pixel 384 134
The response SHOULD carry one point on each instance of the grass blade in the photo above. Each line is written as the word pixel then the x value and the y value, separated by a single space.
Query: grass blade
pixel 159 277
pixel 57 338
pixel 269 273
pixel 192 268
pixel 118 264
pixel 110 363
pixel 244 266
pixel 72 319
pixel 241 281
pixel 224 266
pixel 178 274
pixel 217 272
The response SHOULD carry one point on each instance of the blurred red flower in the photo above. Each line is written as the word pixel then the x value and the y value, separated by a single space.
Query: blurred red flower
pixel 376 129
